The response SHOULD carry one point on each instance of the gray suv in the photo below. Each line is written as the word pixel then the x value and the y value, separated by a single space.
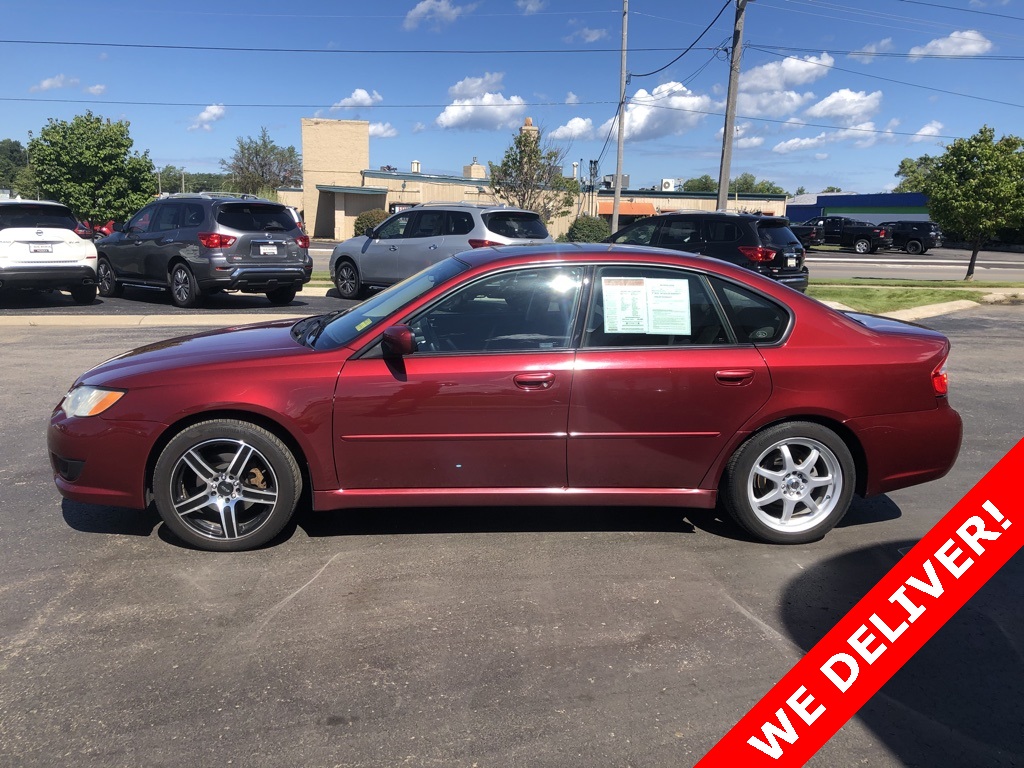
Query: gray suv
pixel 415 238
pixel 204 243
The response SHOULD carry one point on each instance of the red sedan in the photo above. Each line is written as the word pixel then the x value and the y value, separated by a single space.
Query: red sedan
pixel 569 375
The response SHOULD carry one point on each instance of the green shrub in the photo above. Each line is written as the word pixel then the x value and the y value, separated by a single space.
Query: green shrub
pixel 370 218
pixel 588 229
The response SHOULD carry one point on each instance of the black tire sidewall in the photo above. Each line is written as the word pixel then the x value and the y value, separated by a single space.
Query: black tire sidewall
pixel 115 287
pixel 355 274
pixel 281 296
pixel 193 296
pixel 83 294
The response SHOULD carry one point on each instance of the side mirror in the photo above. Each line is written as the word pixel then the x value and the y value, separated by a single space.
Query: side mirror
pixel 399 341
pixel 369 232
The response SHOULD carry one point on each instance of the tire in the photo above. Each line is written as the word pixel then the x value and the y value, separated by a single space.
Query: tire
pixel 791 483
pixel 862 246
pixel 347 281
pixel 83 294
pixel 226 485
pixel 281 296
pixel 914 247
pixel 108 285
pixel 183 286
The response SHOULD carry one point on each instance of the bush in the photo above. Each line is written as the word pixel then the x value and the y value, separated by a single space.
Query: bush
pixel 370 218
pixel 588 229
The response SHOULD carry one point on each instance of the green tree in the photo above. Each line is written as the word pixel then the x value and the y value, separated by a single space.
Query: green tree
pixel 370 218
pixel 530 177
pixel 747 183
pixel 977 187
pixel 913 173
pixel 701 184
pixel 800 191
pixel 826 190
pixel 88 164
pixel 588 229
pixel 259 166
pixel 13 158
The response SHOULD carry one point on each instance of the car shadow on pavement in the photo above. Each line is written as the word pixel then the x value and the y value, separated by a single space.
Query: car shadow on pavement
pixel 957 701
pixel 98 518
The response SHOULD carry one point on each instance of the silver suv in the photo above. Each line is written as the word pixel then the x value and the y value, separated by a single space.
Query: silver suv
pixel 203 243
pixel 415 238
pixel 39 248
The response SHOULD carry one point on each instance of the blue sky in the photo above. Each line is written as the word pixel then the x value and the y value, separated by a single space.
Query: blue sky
pixel 443 81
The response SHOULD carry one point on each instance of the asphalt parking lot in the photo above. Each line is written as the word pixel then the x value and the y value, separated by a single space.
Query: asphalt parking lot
pixel 486 637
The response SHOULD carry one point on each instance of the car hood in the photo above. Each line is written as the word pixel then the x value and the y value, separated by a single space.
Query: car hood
pixel 233 345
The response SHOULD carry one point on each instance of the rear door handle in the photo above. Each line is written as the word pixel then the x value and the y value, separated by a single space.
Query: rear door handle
pixel 534 380
pixel 393 248
pixel 735 377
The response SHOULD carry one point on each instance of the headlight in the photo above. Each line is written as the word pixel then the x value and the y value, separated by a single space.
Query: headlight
pixel 89 401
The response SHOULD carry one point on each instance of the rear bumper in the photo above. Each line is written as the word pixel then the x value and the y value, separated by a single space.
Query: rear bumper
pixel 797 280
pixel 47 277
pixel 257 279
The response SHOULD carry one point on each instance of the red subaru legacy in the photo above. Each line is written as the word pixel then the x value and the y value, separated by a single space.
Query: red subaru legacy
pixel 555 375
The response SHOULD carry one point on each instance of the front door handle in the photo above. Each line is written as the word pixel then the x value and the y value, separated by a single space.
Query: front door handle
pixel 534 380
pixel 735 377
pixel 393 248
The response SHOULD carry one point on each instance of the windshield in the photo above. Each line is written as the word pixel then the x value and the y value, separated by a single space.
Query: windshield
pixel 345 328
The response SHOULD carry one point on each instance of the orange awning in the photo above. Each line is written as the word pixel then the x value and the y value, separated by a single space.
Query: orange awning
pixel 626 209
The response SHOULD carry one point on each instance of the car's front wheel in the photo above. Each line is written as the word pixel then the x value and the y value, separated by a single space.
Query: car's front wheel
pixel 347 281
pixel 183 285
pixel 791 483
pixel 862 246
pixel 281 296
pixel 226 485
pixel 108 285
pixel 83 294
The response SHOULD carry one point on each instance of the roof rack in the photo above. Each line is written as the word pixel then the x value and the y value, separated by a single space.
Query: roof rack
pixel 459 203
pixel 211 195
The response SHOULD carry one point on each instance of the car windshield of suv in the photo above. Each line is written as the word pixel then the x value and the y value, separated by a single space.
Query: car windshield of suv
pixel 341 328
pixel 255 217
pixel 516 224
pixel 32 215
pixel 776 233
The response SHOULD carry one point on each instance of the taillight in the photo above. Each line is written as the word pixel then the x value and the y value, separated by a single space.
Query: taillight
pixel 302 241
pixel 758 253
pixel 482 243
pixel 940 380
pixel 216 240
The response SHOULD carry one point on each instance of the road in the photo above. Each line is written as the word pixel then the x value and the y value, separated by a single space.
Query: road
pixel 938 264
pixel 490 637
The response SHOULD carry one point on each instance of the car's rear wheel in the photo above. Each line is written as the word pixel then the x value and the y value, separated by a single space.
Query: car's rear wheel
pixel 83 294
pixel 914 247
pixel 108 284
pixel 281 296
pixel 226 485
pixel 183 285
pixel 862 246
pixel 791 483
pixel 347 281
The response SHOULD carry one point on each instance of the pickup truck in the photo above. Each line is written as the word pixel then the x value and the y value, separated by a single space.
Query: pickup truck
pixel 862 236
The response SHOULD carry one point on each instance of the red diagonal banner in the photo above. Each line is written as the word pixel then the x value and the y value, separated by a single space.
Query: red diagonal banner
pixel 888 626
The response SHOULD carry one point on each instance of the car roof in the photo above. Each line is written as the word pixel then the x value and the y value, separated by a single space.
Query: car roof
pixel 32 202
pixel 742 215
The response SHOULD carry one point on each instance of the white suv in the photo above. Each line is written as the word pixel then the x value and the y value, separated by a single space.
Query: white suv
pixel 39 249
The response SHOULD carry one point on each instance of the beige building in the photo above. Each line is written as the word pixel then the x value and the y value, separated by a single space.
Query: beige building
pixel 338 186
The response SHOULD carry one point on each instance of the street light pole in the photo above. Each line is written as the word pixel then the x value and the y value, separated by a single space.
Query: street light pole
pixel 730 105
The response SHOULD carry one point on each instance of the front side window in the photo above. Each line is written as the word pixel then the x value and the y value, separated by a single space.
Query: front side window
pixel 395 227
pixel 636 306
pixel 140 221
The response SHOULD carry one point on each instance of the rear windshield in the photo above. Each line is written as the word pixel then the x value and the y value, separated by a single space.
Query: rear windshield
pixel 255 217
pixel 776 234
pixel 33 215
pixel 516 224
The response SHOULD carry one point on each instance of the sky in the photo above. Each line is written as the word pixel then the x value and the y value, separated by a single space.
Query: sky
pixel 830 93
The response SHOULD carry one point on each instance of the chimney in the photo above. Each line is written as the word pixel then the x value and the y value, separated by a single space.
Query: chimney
pixel 415 166
pixel 474 170
pixel 530 129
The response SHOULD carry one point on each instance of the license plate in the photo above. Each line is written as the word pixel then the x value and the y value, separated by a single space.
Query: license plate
pixel 268 250
pixel 40 248
pixel 791 261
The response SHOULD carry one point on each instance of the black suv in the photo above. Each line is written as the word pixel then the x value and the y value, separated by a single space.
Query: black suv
pixel 914 237
pixel 195 244
pixel 764 244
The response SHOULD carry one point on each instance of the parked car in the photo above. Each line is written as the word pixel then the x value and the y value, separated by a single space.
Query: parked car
pixel 417 237
pixel 862 236
pixel 764 244
pixel 914 237
pixel 40 248
pixel 555 375
pixel 200 243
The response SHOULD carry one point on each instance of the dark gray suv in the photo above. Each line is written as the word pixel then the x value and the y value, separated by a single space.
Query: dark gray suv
pixel 203 243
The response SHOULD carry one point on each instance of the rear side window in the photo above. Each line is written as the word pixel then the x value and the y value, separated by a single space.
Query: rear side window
pixel 459 223
pixel 639 233
pixel 724 232
pixel 776 234
pixel 428 224
pixel 516 224
pixel 679 234
pixel 166 218
pixel 255 217
pixel 31 215
pixel 755 318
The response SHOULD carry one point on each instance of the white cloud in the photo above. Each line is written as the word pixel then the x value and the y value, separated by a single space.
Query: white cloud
pixel 749 142
pixel 929 131
pixel 771 102
pixel 57 81
pixel 864 54
pixel 846 106
pixel 863 134
pixel 360 98
pixel 969 42
pixel 205 119
pixel 382 131
pixel 439 12
pixel 490 111
pixel 796 145
pixel 96 90
pixel 530 6
pixel 782 75
pixel 819 156
pixel 572 98
pixel 577 128
pixel 472 87
pixel 418 127
pixel 794 122
pixel 586 35
pixel 669 109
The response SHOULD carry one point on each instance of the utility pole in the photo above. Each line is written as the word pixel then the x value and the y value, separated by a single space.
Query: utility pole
pixel 730 105
pixel 622 121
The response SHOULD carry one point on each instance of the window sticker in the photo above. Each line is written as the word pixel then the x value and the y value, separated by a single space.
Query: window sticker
pixel 646 305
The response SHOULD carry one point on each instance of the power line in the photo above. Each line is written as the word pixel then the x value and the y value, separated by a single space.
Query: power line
pixel 965 10
pixel 690 46
pixel 890 54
